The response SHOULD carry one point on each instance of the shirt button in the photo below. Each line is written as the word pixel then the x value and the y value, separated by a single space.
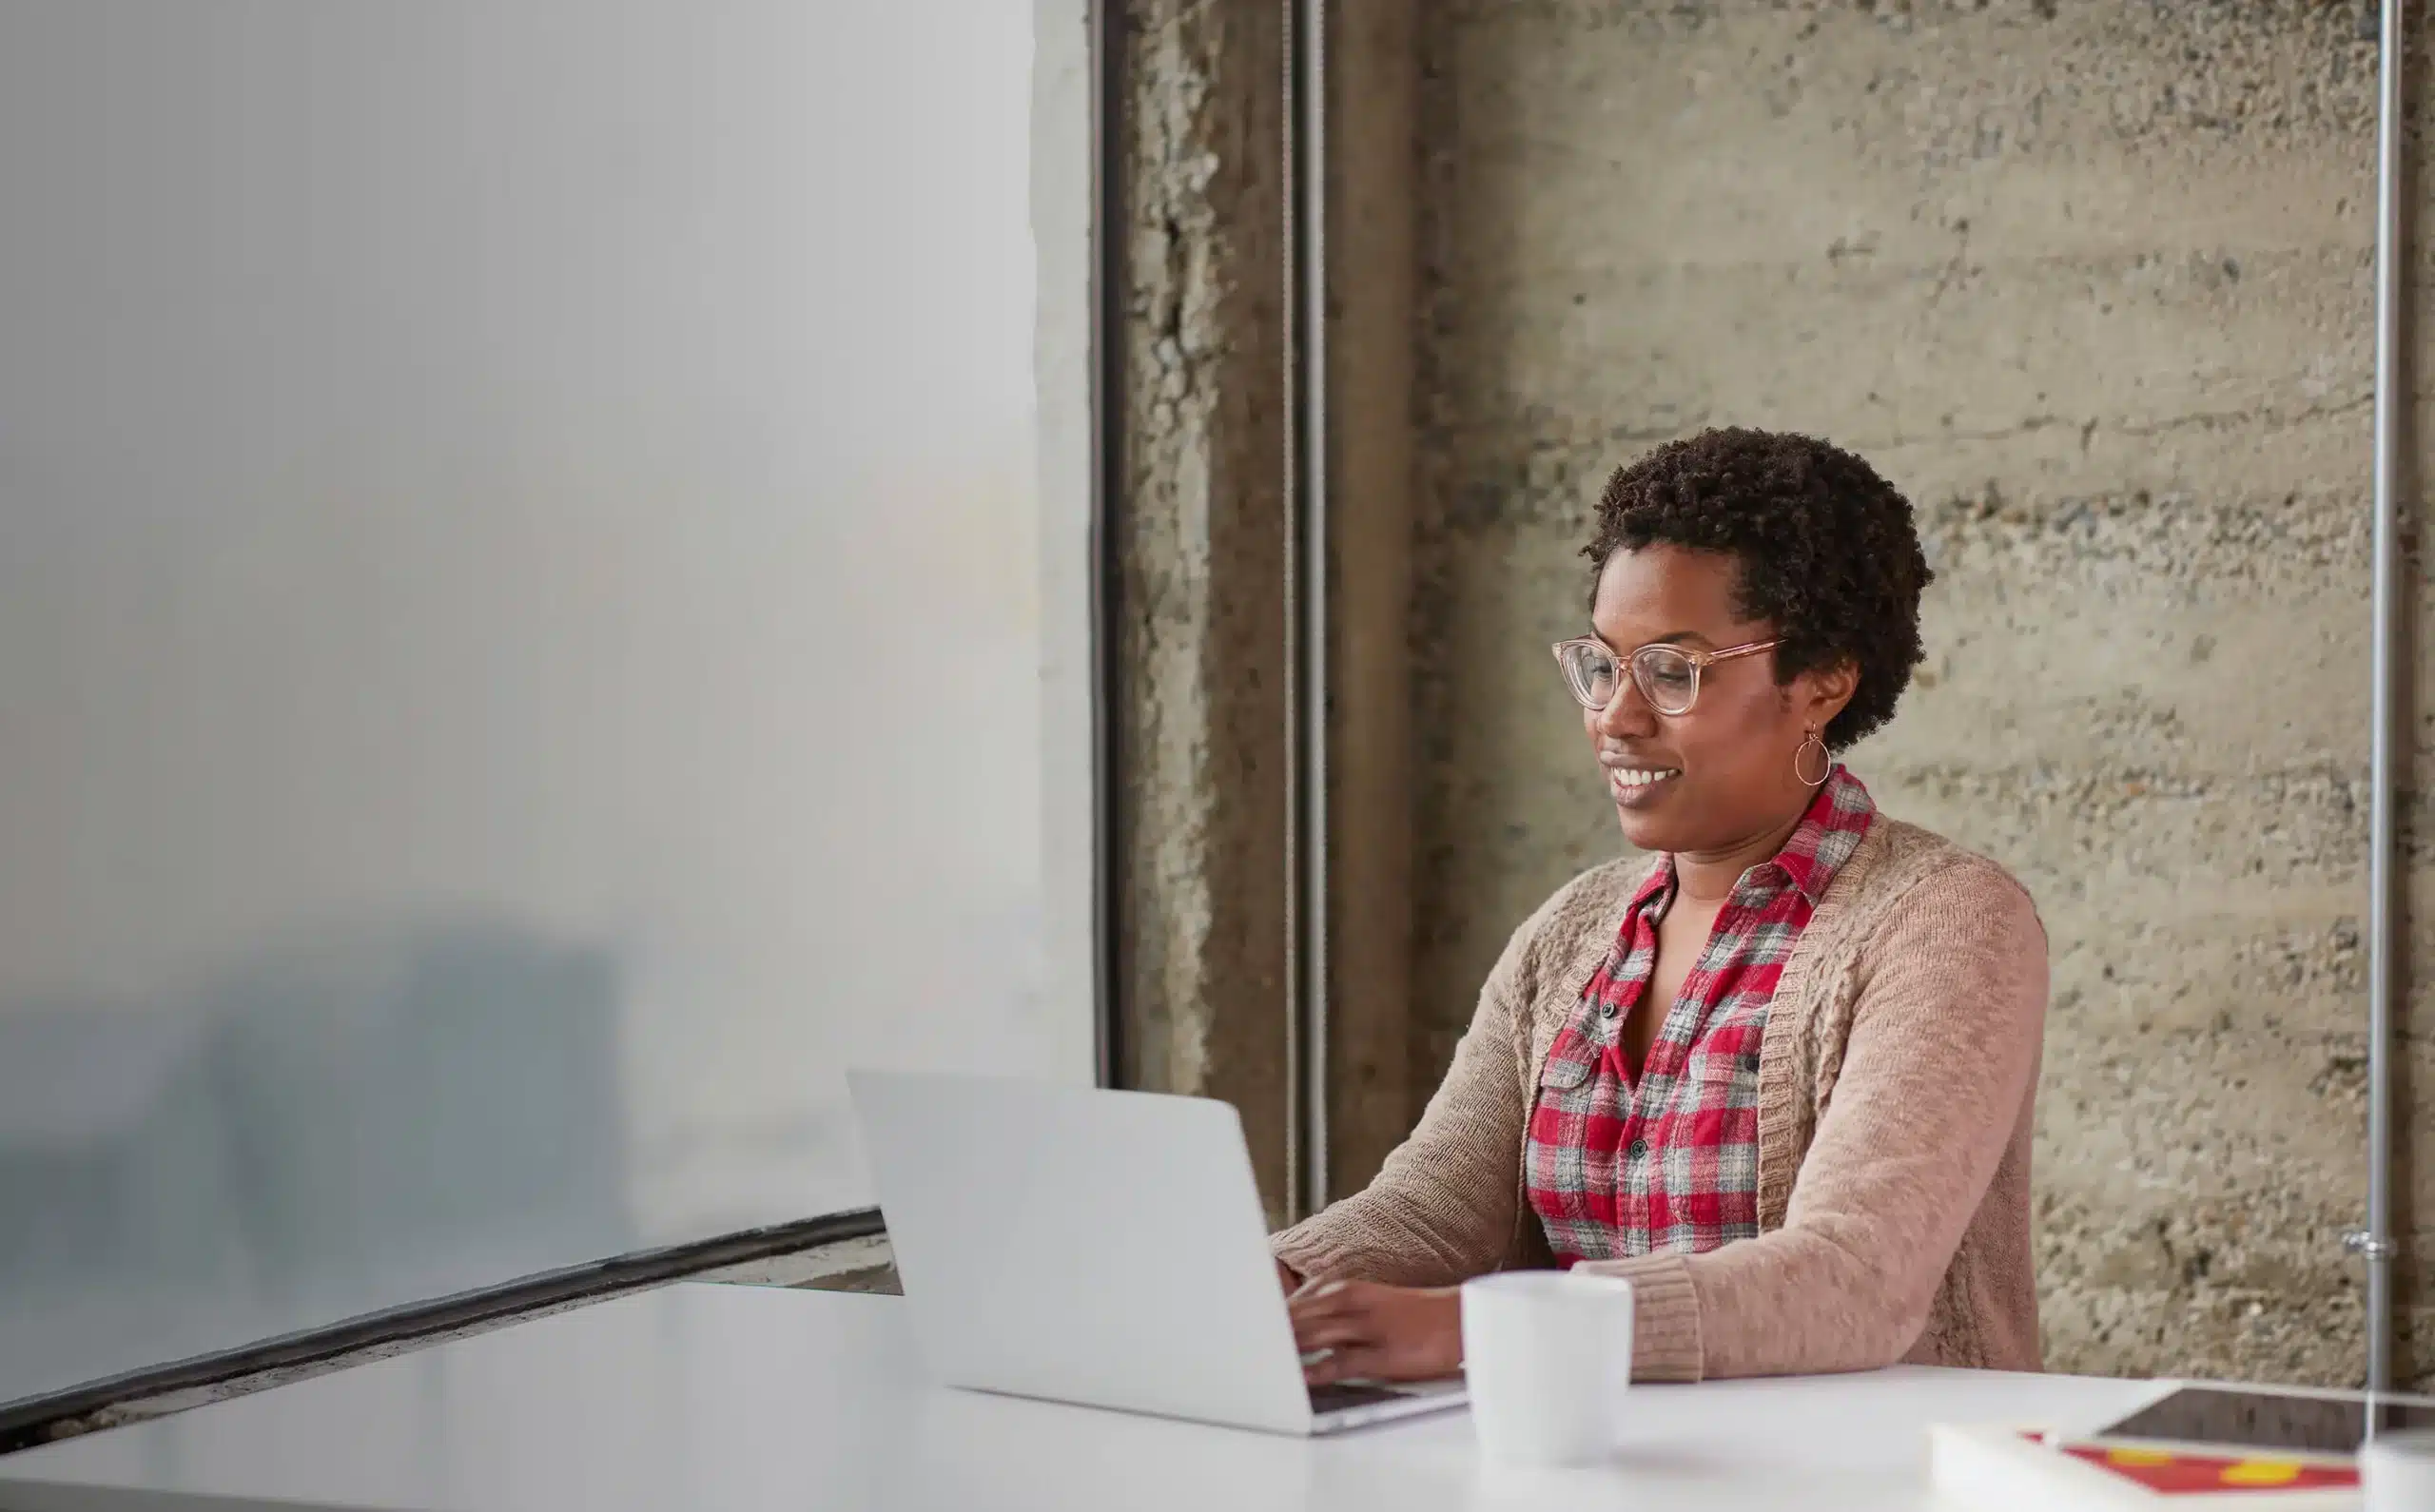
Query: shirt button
pixel 1609 1011
pixel 1640 1148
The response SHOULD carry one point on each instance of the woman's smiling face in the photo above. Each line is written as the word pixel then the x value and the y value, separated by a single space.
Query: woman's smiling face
pixel 1724 772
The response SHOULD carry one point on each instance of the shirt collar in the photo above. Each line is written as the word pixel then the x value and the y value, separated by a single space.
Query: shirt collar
pixel 1837 820
pixel 1829 832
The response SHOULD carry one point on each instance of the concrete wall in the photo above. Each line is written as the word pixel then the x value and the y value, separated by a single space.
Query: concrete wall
pixel 1197 596
pixel 1372 346
pixel 2091 280
pixel 1198 603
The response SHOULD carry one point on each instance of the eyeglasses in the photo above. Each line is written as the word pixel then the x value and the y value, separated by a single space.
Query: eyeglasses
pixel 1667 676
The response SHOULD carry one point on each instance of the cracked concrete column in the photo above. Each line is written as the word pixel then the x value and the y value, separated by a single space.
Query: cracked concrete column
pixel 1199 542
pixel 1373 332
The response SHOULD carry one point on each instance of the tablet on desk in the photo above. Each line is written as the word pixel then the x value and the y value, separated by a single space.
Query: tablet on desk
pixel 2259 1418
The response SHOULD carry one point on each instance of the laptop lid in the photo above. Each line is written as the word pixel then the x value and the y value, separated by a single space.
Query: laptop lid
pixel 1106 1247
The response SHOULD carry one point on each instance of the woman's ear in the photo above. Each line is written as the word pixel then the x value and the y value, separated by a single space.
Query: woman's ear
pixel 1823 692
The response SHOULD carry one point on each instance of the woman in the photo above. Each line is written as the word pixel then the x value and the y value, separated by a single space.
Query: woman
pixel 1781 1077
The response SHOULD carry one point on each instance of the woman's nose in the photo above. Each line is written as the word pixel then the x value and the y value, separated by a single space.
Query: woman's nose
pixel 1626 713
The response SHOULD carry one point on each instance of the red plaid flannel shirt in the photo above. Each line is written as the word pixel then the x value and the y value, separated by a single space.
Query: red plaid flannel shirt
pixel 1615 1170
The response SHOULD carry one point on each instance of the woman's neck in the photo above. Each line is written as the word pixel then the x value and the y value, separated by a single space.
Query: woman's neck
pixel 1709 877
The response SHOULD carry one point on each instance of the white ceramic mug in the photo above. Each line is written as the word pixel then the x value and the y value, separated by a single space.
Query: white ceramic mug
pixel 1547 1355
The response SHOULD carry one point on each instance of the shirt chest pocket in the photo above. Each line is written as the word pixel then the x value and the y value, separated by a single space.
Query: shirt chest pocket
pixel 1570 1061
pixel 1722 1077
pixel 1565 1073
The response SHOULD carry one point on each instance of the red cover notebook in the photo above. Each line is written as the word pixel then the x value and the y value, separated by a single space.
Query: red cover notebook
pixel 2008 1469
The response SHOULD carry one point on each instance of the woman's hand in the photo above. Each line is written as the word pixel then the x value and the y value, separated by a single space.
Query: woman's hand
pixel 1376 1332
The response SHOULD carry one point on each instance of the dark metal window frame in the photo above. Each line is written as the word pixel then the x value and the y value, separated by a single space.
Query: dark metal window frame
pixel 1107 49
pixel 33 1420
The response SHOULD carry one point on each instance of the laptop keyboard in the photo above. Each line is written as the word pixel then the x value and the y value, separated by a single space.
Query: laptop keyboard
pixel 1336 1398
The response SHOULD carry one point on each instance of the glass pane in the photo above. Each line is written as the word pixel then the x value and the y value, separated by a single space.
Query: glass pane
pixel 482 486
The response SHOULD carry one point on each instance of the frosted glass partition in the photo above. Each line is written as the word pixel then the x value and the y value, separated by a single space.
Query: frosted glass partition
pixel 520 645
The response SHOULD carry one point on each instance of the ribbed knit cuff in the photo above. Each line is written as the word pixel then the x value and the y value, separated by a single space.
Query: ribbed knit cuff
pixel 1665 1314
pixel 1308 1256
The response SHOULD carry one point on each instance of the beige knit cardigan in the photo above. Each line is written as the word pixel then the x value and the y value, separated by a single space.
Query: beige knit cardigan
pixel 1897 1085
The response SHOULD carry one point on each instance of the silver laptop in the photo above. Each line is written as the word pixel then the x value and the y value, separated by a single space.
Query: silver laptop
pixel 1103 1247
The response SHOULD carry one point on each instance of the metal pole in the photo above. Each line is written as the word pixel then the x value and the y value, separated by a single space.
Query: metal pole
pixel 2377 1244
pixel 1107 474
pixel 1306 637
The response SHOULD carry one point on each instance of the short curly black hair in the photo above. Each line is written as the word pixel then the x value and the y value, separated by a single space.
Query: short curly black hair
pixel 1828 552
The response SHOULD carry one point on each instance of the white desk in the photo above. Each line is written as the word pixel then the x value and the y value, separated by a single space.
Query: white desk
pixel 721 1397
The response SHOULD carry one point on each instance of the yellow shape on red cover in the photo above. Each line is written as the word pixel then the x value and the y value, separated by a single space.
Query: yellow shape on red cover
pixel 2130 1458
pixel 2261 1472
pixel 2168 1473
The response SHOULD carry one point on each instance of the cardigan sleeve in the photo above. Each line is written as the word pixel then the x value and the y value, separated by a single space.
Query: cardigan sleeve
pixel 1442 1208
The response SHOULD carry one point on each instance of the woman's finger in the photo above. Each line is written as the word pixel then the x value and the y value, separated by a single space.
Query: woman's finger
pixel 1320 1294
pixel 1317 1316
pixel 1343 1365
pixel 1338 1333
pixel 1338 1304
pixel 1334 1296
pixel 1321 1333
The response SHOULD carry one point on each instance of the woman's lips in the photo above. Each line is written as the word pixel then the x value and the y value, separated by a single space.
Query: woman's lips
pixel 1633 785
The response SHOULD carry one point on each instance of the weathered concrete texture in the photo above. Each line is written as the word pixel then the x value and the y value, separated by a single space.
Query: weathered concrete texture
pixel 1372 336
pixel 2091 279
pixel 1198 589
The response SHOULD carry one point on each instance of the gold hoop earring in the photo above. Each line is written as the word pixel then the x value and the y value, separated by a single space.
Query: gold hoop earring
pixel 1825 762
